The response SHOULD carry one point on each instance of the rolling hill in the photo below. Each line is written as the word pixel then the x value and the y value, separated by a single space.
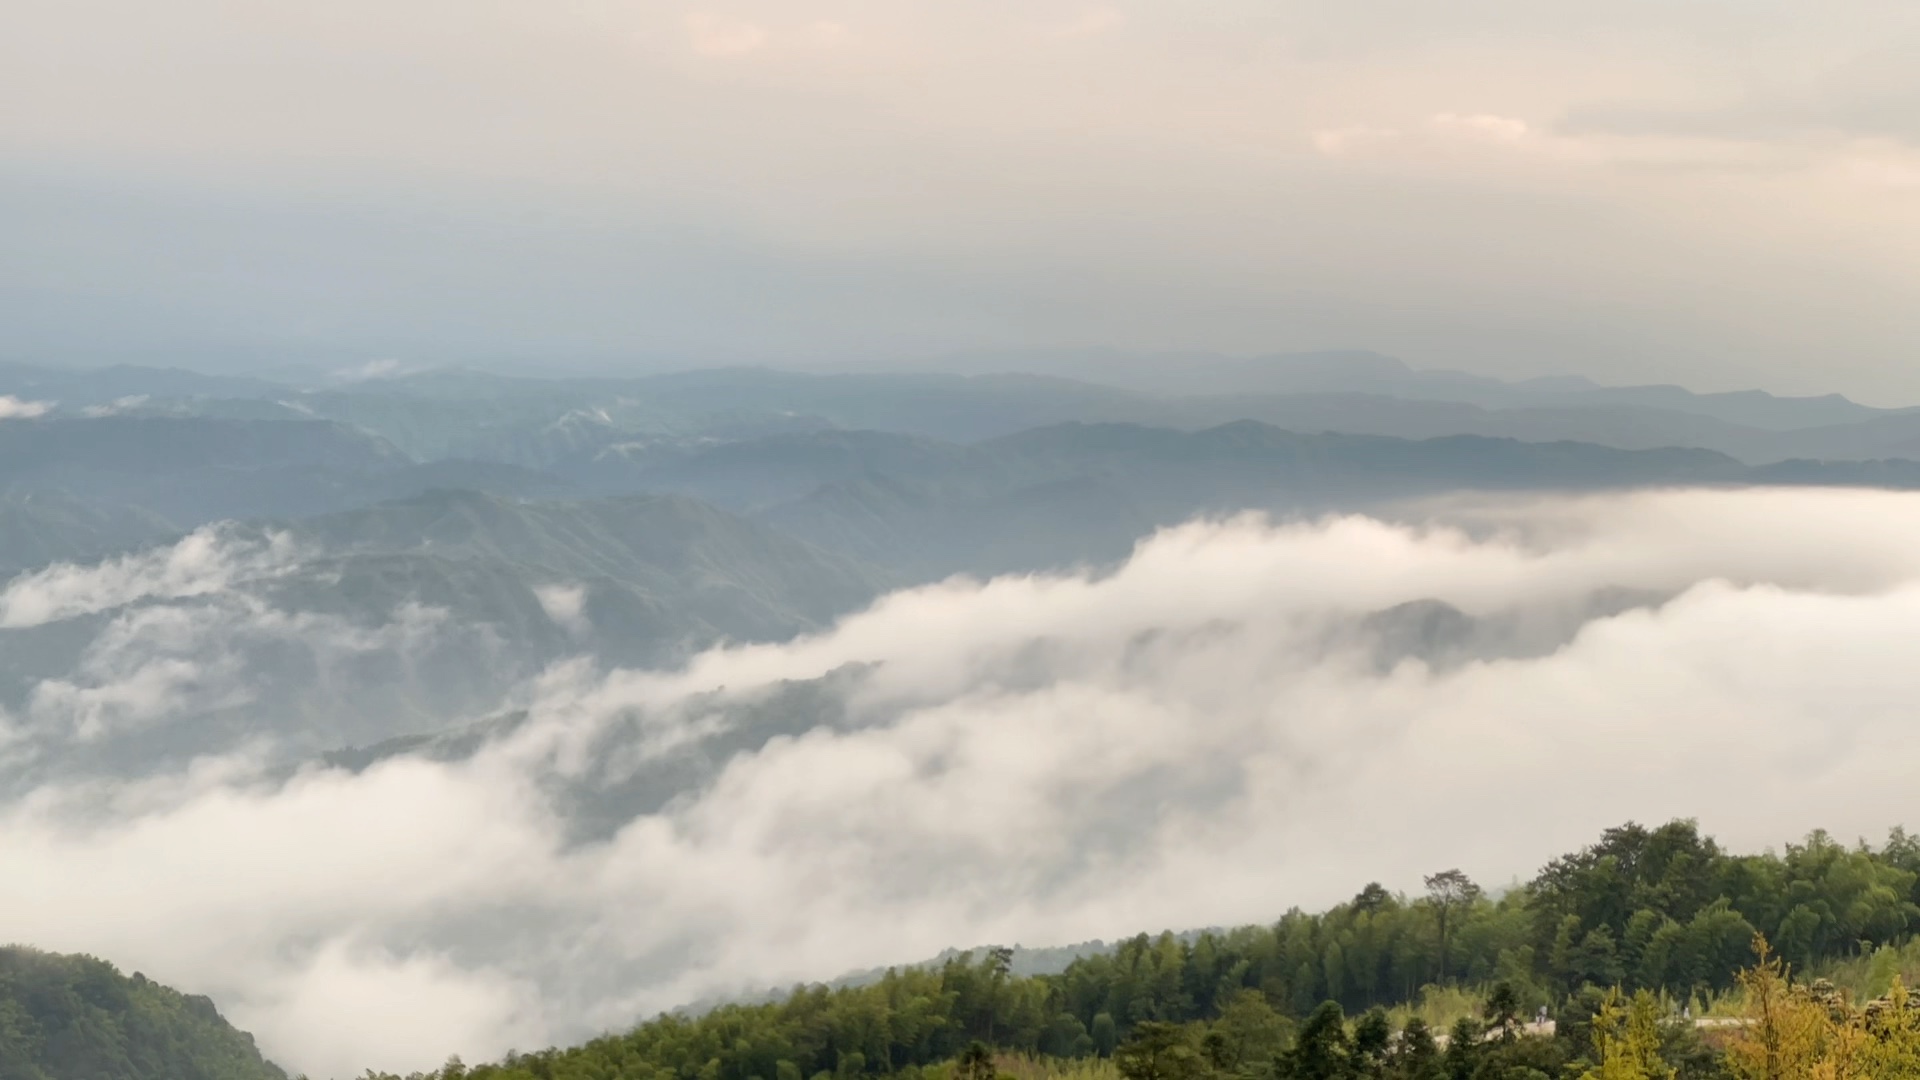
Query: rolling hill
pixel 72 1017
pixel 403 617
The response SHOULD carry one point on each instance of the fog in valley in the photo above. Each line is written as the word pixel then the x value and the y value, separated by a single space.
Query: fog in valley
pixel 661 539
pixel 1243 716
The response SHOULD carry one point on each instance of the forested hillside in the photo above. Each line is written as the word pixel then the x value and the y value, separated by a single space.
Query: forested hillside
pixel 1663 910
pixel 77 1018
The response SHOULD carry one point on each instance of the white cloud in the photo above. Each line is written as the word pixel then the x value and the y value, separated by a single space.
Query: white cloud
pixel 714 35
pixel 566 605
pixel 1208 735
pixel 13 408
pixel 155 661
pixel 206 560
pixel 386 368
pixel 393 1003
pixel 115 407
pixel 1481 126
pixel 1441 133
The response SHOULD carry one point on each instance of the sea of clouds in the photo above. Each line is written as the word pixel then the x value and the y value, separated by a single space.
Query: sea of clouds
pixel 1221 728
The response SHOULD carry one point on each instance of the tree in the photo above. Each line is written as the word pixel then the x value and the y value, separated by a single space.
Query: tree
pixel 1785 1031
pixel 1334 963
pixel 998 966
pixel 1449 891
pixel 1159 1051
pixel 975 1063
pixel 1502 1012
pixel 1416 1056
pixel 1306 987
pixel 1372 1036
pixel 1893 1023
pixel 1596 959
pixel 1626 1040
pixel 1252 1030
pixel 1321 1050
pixel 1372 898
pixel 1463 1049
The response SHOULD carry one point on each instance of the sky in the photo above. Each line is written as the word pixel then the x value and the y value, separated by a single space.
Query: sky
pixel 1206 736
pixel 1716 193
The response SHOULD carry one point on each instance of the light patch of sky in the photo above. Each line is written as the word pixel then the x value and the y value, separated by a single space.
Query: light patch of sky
pixel 1720 195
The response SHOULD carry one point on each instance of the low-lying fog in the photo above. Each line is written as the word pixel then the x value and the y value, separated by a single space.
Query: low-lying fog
pixel 1242 718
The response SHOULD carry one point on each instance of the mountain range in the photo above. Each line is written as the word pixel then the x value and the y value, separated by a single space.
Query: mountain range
pixel 366 585
pixel 307 580
pixel 534 422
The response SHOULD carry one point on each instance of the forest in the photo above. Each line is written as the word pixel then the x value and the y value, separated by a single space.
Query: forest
pixel 78 1018
pixel 1653 952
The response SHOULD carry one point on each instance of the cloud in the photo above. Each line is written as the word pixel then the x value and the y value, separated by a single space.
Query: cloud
pixel 1090 22
pixel 157 661
pixel 1442 132
pixel 115 407
pixel 13 408
pixel 228 640
pixel 207 560
pixel 1481 126
pixel 566 605
pixel 1242 718
pixel 1338 142
pixel 373 369
pixel 722 36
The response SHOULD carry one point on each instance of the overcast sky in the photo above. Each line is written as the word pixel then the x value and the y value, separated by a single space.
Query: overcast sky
pixel 1721 193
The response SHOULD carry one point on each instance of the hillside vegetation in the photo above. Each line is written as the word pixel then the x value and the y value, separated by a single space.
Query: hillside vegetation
pixel 1661 912
pixel 77 1018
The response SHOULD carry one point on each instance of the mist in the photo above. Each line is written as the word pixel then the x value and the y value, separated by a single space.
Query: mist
pixel 1244 717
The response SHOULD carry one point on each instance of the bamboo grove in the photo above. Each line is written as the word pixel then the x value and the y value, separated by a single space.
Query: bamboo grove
pixel 1625 945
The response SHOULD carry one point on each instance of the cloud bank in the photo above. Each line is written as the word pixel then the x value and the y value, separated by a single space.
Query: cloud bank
pixel 1244 717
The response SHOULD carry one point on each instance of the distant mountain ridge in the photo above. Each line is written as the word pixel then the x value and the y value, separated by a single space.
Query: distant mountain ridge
pixel 676 512
pixel 187 471
pixel 537 422
pixel 1079 493
pixel 1360 371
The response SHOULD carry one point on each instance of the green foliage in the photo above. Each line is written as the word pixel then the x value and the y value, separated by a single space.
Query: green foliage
pixel 1660 913
pixel 1665 909
pixel 1161 1051
pixel 1322 1050
pixel 1626 1040
pixel 77 1018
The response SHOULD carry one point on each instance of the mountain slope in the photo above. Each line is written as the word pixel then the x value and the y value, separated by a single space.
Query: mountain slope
pixel 77 1018
pixel 753 474
pixel 1084 493
pixel 74 388
pixel 42 527
pixel 739 578
pixel 400 618
pixel 187 471
pixel 158 444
